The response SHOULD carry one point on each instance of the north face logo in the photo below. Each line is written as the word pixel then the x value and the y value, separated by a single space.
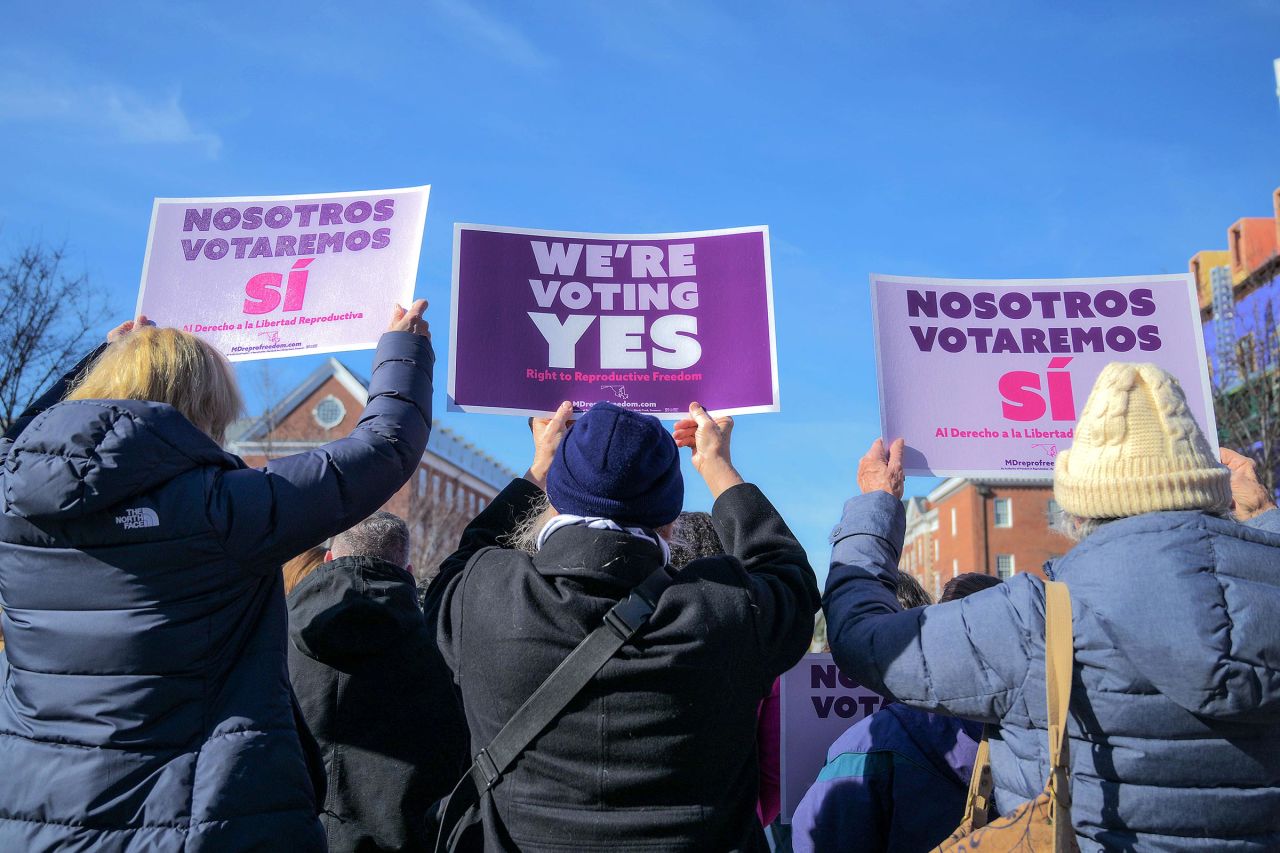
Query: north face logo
pixel 133 519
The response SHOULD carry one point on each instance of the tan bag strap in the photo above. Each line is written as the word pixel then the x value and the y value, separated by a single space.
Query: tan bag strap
pixel 1059 646
pixel 978 804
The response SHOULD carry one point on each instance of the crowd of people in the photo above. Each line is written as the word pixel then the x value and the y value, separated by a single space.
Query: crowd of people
pixel 203 656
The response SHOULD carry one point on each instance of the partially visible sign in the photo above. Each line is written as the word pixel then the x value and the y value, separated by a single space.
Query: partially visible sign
pixel 272 276
pixel 818 704
pixel 989 377
pixel 648 322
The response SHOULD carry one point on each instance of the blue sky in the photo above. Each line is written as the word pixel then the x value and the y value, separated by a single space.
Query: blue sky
pixel 962 139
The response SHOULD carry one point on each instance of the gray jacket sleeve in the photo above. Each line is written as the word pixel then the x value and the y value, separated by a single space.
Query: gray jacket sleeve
pixel 967 658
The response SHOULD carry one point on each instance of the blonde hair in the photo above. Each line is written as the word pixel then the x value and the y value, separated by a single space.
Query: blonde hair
pixel 167 366
pixel 301 566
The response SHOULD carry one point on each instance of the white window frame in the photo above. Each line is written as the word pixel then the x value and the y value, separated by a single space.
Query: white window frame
pixel 342 412
pixel 995 513
pixel 1013 566
pixel 953 521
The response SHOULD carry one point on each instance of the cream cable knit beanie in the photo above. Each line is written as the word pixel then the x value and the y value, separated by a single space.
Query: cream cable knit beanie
pixel 1137 449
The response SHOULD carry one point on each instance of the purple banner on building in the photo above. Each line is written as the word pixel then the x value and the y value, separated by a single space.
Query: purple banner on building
pixel 649 322
pixel 273 276
pixel 989 377
pixel 819 703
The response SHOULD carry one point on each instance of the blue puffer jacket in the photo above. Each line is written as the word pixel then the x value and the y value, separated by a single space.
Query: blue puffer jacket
pixel 145 701
pixel 1175 709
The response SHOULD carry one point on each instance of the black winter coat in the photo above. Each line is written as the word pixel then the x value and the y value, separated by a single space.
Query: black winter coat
pixel 145 700
pixel 380 701
pixel 659 751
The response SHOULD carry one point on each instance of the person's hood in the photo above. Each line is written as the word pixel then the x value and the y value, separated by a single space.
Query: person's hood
pixel 1192 601
pixel 950 744
pixel 353 608
pixel 84 456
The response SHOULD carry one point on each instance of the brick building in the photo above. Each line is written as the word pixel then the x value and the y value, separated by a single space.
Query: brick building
pixel 454 480
pixel 996 525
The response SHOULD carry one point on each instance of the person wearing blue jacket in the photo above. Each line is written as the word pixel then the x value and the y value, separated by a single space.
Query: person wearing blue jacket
pixel 1175 709
pixel 897 780
pixel 145 701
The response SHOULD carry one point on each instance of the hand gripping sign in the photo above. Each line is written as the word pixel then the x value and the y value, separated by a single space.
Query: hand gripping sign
pixel 649 322
pixel 273 276
pixel 989 377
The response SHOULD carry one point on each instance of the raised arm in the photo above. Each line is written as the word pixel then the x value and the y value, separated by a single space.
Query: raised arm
pixel 967 658
pixel 781 583
pixel 294 502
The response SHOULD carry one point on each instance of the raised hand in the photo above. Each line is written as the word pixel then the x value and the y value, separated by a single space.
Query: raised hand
pixel 411 320
pixel 1248 496
pixel 547 435
pixel 121 331
pixel 880 471
pixel 709 439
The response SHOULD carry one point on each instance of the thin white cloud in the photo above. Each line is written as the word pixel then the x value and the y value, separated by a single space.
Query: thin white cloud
pixel 506 40
pixel 122 113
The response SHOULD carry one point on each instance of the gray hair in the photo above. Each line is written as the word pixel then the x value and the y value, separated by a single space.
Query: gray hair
pixel 381 535
pixel 524 536
pixel 1077 529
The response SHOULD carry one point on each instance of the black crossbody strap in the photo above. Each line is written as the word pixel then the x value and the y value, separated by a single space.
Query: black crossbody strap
pixel 621 623
pixel 460 811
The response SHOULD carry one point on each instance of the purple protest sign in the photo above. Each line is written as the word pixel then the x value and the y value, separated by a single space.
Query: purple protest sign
pixel 985 377
pixel 818 704
pixel 650 322
pixel 273 276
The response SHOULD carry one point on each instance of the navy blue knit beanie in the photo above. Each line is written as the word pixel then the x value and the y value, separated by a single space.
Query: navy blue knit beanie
pixel 619 465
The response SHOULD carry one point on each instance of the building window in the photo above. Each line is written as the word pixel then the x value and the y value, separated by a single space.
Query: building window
pixel 935 549
pixel 1003 512
pixel 955 567
pixel 435 486
pixel 953 521
pixel 329 412
pixel 422 481
pixel 1004 566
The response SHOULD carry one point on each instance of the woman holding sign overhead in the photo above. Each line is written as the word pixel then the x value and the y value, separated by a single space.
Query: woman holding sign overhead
pixel 145 700
pixel 1163 656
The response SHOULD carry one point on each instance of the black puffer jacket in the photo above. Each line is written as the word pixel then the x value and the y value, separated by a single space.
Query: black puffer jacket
pixel 380 701
pixel 144 701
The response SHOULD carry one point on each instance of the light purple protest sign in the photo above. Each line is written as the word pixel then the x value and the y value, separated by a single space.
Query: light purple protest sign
pixel 649 322
pixel 987 377
pixel 273 276
pixel 819 703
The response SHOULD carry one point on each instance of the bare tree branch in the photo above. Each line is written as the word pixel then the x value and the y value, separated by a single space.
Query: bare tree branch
pixel 1248 408
pixel 47 317
pixel 437 517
